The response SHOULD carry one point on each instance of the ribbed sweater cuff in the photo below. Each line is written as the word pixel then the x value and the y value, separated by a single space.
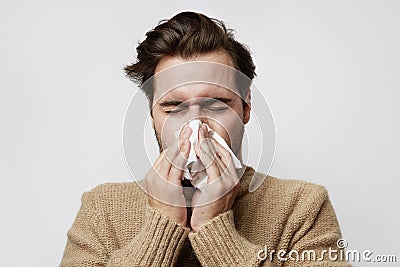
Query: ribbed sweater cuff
pixel 158 243
pixel 218 243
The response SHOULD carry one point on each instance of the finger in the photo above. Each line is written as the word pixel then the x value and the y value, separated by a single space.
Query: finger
pixel 223 154
pixel 202 134
pixel 178 160
pixel 156 164
pixel 227 159
pixel 218 152
pixel 166 161
pixel 203 147
pixel 175 174
pixel 212 168
pixel 185 133
pixel 204 137
pixel 212 155
pixel 211 148
pixel 197 145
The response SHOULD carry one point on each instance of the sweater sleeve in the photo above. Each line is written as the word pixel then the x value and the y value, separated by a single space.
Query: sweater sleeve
pixel 157 244
pixel 218 243
pixel 315 228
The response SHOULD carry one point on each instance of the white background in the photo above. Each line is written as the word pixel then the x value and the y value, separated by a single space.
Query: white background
pixel 329 69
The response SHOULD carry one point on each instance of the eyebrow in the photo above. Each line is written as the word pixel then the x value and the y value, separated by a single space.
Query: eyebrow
pixel 170 103
pixel 207 101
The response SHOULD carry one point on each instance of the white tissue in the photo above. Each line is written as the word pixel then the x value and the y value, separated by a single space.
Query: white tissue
pixel 193 164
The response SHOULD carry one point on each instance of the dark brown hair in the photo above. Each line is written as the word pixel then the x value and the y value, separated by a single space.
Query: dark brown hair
pixel 187 35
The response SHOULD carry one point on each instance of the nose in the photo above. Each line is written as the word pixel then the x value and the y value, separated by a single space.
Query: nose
pixel 196 113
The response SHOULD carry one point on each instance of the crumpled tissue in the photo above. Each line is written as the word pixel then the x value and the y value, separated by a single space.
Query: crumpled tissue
pixel 194 170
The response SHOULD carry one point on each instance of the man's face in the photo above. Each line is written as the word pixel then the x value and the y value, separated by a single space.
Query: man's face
pixel 221 108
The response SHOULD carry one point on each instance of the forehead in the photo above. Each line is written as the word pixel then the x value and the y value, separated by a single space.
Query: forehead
pixel 195 91
pixel 208 75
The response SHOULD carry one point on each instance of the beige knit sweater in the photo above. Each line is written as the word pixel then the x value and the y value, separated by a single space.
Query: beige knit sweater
pixel 116 227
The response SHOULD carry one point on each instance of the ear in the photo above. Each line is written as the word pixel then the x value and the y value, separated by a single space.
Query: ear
pixel 247 107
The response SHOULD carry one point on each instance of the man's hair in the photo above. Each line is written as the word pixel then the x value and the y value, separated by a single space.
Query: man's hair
pixel 187 35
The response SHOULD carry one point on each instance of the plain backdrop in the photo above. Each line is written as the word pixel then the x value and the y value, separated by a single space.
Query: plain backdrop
pixel 330 71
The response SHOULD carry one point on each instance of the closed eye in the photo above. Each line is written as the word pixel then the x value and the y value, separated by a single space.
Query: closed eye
pixel 217 109
pixel 176 110
pixel 173 111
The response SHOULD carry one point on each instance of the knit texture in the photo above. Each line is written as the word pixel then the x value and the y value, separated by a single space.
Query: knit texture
pixel 115 226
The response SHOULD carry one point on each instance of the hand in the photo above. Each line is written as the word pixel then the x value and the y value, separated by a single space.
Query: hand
pixel 163 180
pixel 222 183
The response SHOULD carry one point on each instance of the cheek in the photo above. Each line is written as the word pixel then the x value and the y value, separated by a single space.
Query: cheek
pixel 165 127
pixel 229 128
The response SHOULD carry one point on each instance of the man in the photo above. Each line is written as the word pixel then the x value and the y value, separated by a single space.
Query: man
pixel 224 224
